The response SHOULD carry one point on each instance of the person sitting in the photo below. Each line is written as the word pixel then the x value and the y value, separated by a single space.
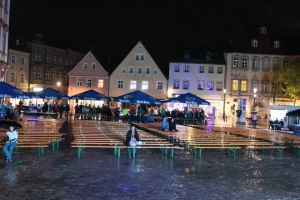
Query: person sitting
pixel 164 125
pixel 11 143
pixel 172 126
pixel 132 137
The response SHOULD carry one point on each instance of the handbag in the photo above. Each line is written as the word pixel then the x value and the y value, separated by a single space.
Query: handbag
pixel 5 139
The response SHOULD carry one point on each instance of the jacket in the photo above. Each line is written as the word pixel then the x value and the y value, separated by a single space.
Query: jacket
pixel 128 137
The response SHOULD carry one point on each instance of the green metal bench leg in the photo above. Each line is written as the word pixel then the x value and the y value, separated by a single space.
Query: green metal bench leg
pixel 200 153
pixel 279 152
pixel 166 152
pixel 53 146
pixel 79 151
pixel 172 153
pixel 133 152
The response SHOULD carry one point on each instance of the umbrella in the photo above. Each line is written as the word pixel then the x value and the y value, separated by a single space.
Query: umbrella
pixel 9 91
pixel 137 97
pixel 189 98
pixel 49 93
pixel 7 123
pixel 90 95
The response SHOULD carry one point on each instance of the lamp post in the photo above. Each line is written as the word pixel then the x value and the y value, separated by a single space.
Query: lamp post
pixel 224 100
pixel 254 91
pixel 58 84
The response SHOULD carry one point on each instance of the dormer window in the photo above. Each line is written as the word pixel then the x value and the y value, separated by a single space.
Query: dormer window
pixel 186 55
pixel 207 57
pixel 263 30
pixel 276 44
pixel 254 43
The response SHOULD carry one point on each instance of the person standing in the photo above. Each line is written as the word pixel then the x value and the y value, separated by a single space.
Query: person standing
pixel 11 143
pixel 254 119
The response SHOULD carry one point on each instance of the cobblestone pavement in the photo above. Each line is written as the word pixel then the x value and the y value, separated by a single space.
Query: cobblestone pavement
pixel 99 175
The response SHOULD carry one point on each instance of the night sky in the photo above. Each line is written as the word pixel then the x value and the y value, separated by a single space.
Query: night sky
pixel 116 26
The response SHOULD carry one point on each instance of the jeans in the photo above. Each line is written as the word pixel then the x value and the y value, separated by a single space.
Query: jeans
pixel 11 146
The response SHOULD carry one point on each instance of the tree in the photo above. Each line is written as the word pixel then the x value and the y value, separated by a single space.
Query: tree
pixel 289 76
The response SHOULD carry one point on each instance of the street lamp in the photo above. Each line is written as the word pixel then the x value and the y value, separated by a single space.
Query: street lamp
pixel 58 84
pixel 254 91
pixel 224 99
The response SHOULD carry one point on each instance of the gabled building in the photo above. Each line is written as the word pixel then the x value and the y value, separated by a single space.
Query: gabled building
pixel 251 62
pixel 199 69
pixel 4 31
pixel 88 74
pixel 139 70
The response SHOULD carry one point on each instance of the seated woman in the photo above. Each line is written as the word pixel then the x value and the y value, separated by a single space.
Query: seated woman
pixel 164 125
pixel 132 137
pixel 172 126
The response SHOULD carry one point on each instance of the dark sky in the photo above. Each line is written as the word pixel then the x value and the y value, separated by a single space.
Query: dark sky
pixel 117 25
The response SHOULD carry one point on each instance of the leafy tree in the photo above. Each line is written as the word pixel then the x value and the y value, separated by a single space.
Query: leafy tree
pixel 289 76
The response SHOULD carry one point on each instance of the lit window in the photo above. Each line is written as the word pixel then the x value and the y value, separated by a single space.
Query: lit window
pixel 145 85
pixel 79 82
pixel 132 85
pixel 243 86
pixel 13 59
pixel 263 30
pixel 210 85
pixel 276 44
pixel 255 63
pixel 93 66
pixel 22 61
pixel 159 85
pixel 85 65
pixel 201 69
pixel 176 84
pixel 88 83
pixel 176 68
pixel 120 84
pixel 210 69
pixel 254 84
pixel 100 83
pixel 185 85
pixel 219 86
pixel 254 43
pixel 235 84
pixel 12 77
pixel 201 85
pixel 245 63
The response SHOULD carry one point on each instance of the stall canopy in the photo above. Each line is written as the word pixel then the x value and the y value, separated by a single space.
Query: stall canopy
pixel 137 97
pixel 90 95
pixel 49 93
pixel 9 91
pixel 189 98
pixel 293 113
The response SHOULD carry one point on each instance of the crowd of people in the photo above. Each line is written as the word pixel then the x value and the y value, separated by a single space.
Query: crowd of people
pixel 91 111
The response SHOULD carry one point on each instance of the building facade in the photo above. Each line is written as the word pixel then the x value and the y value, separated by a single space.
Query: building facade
pixel 4 32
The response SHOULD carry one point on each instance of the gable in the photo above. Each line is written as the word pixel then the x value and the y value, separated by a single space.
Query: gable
pixel 88 66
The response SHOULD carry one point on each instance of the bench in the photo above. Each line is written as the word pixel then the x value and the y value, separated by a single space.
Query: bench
pixel 229 148
pixel 278 149
pixel 117 149
pixel 164 148
pixel 40 147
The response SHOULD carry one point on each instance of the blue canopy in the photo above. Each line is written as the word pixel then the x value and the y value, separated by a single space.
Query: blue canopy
pixel 189 98
pixel 90 95
pixel 9 91
pixel 49 93
pixel 137 97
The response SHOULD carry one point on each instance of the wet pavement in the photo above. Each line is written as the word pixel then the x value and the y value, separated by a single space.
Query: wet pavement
pixel 100 175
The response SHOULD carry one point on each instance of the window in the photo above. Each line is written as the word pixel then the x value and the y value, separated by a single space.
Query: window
pixel 201 85
pixel 219 86
pixel 47 76
pixel 243 85
pixel 120 84
pixel 275 86
pixel 235 85
pixel 132 85
pixel 93 66
pixel 255 63
pixel 265 86
pixel 22 78
pixel 59 76
pixel 207 57
pixel 123 71
pixel 79 82
pixel 71 62
pixel 39 75
pixel 154 72
pixel 22 61
pixel 48 59
pixel 147 70
pixel 265 63
pixel 34 74
pixel 176 68
pixel 254 43
pixel 254 84
pixel 137 57
pixel 39 57
pixel 65 78
pixel 276 44
pixel 139 70
pixel 66 62
pixel 13 59
pixel 85 65
pixel 276 63
pixel 145 85
pixel 185 85
pixel 210 85
pixel 131 70
pixel 53 76
pixel 186 68
pixel 201 69
pixel 100 83
pixel 12 77
pixel 54 60
pixel 285 61
pixel 159 85
pixel 244 62
pixel 235 61
pixel 210 69
pixel 263 30
pixel 60 61
pixel 220 70
pixel 142 57
pixel 176 84
pixel 88 83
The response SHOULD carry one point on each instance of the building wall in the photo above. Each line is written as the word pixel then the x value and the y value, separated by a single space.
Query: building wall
pixel 4 28
pixel 122 73
pixel 18 73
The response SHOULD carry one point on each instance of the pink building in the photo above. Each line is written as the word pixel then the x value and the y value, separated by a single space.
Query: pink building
pixel 88 74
